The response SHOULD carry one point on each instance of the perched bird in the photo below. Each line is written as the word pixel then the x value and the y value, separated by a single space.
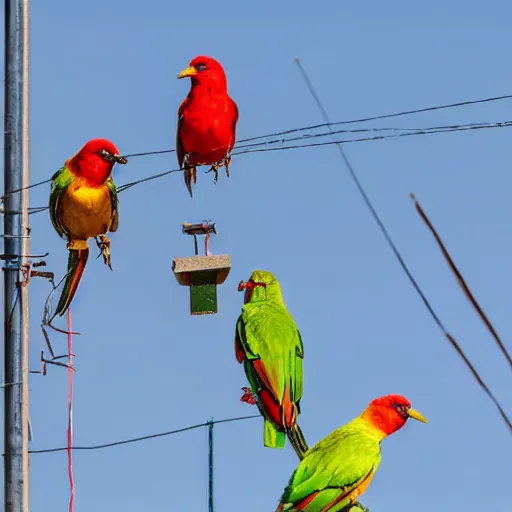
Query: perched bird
pixel 83 205
pixel 206 120
pixel 268 342
pixel 338 469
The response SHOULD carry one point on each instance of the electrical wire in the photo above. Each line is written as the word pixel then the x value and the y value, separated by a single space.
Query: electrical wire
pixel 353 121
pixel 145 438
pixel 328 124
pixel 255 149
pixel 462 282
pixel 252 148
pixel 395 250
pixel 397 114
pixel 475 304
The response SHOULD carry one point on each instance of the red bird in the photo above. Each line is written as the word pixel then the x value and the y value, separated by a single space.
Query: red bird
pixel 206 120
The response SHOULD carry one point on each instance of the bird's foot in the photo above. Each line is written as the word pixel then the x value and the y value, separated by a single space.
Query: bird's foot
pixel 248 397
pixel 214 168
pixel 104 245
pixel 227 163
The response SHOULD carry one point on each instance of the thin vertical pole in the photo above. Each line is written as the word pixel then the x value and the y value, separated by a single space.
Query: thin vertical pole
pixel 25 251
pixel 210 465
pixel 16 249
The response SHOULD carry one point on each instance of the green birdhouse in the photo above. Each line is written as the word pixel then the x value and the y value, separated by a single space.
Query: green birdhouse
pixel 202 274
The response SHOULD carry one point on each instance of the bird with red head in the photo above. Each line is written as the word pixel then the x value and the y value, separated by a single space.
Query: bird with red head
pixel 207 120
pixel 83 205
pixel 339 468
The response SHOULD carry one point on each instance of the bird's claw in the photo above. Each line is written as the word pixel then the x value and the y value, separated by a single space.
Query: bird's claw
pixel 248 397
pixel 227 162
pixel 215 169
pixel 104 245
pixel 357 507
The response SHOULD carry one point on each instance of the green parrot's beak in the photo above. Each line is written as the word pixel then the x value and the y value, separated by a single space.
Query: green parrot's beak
pixel 190 71
pixel 120 159
pixel 416 415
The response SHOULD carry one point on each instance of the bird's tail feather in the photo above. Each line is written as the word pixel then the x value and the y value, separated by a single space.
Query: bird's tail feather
pixel 190 174
pixel 272 438
pixel 297 440
pixel 77 260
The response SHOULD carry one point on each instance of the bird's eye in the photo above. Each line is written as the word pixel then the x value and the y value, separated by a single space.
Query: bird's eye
pixel 105 155
pixel 401 409
pixel 200 67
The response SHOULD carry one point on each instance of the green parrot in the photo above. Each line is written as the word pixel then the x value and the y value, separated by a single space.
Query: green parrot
pixel 269 344
pixel 339 469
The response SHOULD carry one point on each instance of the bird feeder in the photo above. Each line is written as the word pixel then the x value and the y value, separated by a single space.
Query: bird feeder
pixel 202 274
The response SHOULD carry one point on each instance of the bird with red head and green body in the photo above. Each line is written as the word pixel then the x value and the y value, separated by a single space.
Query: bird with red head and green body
pixel 207 120
pixel 338 469
pixel 268 343
pixel 83 205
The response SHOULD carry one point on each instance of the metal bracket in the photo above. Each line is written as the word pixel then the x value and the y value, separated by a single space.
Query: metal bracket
pixel 204 228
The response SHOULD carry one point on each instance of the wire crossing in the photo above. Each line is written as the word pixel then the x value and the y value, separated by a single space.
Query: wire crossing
pixel 404 266
pixel 258 148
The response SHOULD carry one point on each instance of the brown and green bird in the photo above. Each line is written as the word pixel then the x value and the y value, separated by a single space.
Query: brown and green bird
pixel 83 205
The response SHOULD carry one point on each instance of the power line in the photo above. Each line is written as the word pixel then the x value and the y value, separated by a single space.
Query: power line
pixel 145 438
pixel 398 114
pixel 451 128
pixel 462 282
pixel 353 121
pixel 398 255
pixel 501 124
pixel 249 148
pixel 254 148
pixel 475 304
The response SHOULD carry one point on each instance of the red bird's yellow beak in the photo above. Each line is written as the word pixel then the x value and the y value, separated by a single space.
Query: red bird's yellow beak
pixel 416 415
pixel 190 71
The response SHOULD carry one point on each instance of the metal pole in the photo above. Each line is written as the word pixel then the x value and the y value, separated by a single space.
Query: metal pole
pixel 16 249
pixel 210 465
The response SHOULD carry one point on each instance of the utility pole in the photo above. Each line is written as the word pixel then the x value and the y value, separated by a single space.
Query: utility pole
pixel 16 250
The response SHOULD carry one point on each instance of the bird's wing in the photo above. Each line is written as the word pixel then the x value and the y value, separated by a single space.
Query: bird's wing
pixel 241 349
pixel 333 473
pixel 235 121
pixel 271 343
pixel 114 201
pixel 235 113
pixel 180 150
pixel 60 182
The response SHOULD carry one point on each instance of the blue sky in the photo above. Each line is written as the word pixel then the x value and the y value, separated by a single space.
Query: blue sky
pixel 107 69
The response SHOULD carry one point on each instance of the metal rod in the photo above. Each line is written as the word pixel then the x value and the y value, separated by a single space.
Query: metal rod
pixel 25 250
pixel 16 242
pixel 210 465
pixel 195 245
